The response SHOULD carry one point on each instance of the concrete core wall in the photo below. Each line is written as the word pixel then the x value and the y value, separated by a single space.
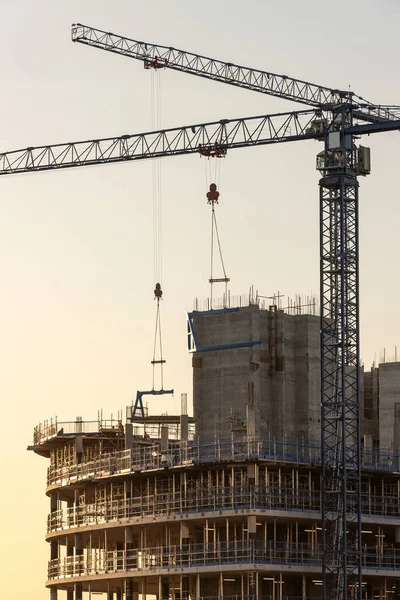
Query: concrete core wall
pixel 389 395
pixel 369 409
pixel 281 374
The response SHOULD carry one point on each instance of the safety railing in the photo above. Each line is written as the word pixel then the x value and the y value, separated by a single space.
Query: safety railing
pixel 258 597
pixel 205 555
pixel 193 555
pixel 149 457
pixel 162 505
pixel 253 597
pixel 52 427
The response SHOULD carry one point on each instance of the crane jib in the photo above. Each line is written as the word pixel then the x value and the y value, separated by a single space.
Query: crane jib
pixel 227 134
pixel 282 86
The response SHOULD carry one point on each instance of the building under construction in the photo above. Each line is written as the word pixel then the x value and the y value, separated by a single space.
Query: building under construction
pixel 226 503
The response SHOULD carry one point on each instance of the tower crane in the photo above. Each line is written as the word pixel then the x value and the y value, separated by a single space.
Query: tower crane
pixel 336 118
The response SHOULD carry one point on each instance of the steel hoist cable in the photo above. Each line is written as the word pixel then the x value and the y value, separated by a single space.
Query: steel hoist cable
pixel 158 360
pixel 213 199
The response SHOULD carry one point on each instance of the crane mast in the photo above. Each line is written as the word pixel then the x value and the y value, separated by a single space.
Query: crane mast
pixel 340 419
pixel 336 118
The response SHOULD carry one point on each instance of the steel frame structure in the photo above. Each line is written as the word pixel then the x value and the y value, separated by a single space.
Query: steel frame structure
pixel 226 134
pixel 340 422
pixel 265 82
pixel 336 118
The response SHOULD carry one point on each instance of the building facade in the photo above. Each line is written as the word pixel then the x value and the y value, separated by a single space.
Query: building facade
pixel 168 508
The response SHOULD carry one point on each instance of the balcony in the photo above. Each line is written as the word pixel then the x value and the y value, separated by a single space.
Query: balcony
pixel 245 555
pixel 188 453
pixel 162 506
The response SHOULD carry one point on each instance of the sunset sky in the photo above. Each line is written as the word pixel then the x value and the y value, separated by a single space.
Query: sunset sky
pixel 76 246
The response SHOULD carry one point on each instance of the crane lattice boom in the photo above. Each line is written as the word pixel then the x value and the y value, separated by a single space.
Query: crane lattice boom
pixel 226 135
pixel 281 86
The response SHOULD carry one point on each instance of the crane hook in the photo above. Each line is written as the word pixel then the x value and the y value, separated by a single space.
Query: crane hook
pixel 212 195
pixel 158 292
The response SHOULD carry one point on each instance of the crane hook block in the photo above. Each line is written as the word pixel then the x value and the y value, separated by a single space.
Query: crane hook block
pixel 158 291
pixel 214 151
pixel 212 195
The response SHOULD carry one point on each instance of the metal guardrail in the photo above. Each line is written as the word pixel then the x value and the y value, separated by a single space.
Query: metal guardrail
pixel 150 457
pixel 193 555
pixel 162 505
pixel 51 427
pixel 258 597
pixel 199 555
pixel 221 498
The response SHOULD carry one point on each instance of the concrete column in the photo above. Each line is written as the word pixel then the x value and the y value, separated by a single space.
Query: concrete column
pixel 129 589
pixel 251 583
pixel 78 591
pixel 397 537
pixel 304 586
pixel 185 542
pixel 128 544
pixel 220 585
pixel 70 513
pixel 53 550
pixel 251 474
pixel 198 590
pixel 184 423
pixel 251 413
pixel 252 527
pixel 396 428
pixel 144 588
pixel 184 533
pixel 397 548
pixel 128 436
pixel 78 563
pixel 78 447
pixel 53 502
pixel 53 593
pixel 368 441
pixel 70 545
pixel 78 544
pixel 397 590
pixel 164 438
pixel 128 537
pixel 185 588
pixel 164 588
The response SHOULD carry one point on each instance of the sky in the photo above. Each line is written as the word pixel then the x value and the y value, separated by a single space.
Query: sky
pixel 76 246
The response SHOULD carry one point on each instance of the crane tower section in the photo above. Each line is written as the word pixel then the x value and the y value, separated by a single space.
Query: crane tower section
pixel 341 473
